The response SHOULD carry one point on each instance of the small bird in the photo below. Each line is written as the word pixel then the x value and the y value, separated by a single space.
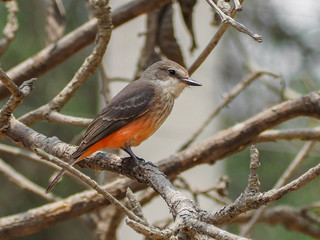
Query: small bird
pixel 135 113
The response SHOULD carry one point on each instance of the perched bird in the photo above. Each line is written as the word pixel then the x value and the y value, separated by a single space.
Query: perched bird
pixel 135 113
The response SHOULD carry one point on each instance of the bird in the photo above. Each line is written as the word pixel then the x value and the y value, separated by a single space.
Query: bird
pixel 134 114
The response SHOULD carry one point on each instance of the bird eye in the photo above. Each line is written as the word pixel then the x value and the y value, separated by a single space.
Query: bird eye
pixel 172 72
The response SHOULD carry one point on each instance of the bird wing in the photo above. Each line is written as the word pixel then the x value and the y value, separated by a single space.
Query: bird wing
pixel 130 103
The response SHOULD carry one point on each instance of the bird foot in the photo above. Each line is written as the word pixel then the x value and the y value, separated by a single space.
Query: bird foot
pixel 136 160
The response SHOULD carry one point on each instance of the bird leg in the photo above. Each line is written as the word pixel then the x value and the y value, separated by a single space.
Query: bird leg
pixel 132 155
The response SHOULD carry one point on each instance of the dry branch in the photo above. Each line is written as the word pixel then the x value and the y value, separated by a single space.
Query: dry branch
pixel 87 68
pixel 227 98
pixel 9 31
pixel 291 134
pixel 210 150
pixel 291 218
pixel 211 45
pixel 301 156
pixel 51 56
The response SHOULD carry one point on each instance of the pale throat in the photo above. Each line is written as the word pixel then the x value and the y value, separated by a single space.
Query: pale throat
pixel 173 87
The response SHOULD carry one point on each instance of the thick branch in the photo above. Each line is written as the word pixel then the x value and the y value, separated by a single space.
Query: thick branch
pixel 210 150
pixel 241 135
pixel 49 214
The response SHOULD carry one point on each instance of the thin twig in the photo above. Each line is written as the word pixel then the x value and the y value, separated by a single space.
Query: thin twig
pixel 301 156
pixel 18 152
pixel 9 31
pixel 211 45
pixel 18 94
pixel 253 181
pixel 90 182
pixel 291 218
pixel 88 67
pixel 73 42
pixel 237 5
pixel 245 202
pixel 57 117
pixel 137 222
pixel 290 134
pixel 9 84
pixel 24 183
pixel 105 84
pixel 210 230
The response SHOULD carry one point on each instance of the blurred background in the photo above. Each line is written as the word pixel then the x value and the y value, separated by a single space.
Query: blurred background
pixel 290 48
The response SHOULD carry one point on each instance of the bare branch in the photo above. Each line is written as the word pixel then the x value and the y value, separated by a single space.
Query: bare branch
pixel 107 223
pixel 18 94
pixel 14 151
pixel 237 5
pixel 248 202
pixel 105 84
pixel 56 117
pixel 282 180
pixel 253 181
pixel 212 149
pixel 135 205
pixel 55 21
pixel 9 84
pixel 291 134
pixel 24 90
pixel 37 218
pixel 291 218
pixel 88 181
pixel 66 47
pixel 219 146
pixel 150 232
pixel 214 41
pixel 88 67
pixel 212 231
pixel 228 97
pixel 9 31
pixel 24 183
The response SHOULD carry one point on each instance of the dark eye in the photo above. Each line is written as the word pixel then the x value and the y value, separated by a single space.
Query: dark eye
pixel 172 72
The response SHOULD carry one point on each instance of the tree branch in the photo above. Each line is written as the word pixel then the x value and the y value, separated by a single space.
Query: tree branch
pixel 227 98
pixel 290 134
pixel 304 152
pixel 24 183
pixel 291 218
pixel 247 202
pixel 9 31
pixel 73 42
pixel 18 94
pixel 210 150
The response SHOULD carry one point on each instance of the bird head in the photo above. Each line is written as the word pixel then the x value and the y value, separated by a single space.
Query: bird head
pixel 169 76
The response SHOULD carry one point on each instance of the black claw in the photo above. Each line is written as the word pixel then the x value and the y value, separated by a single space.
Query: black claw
pixel 132 155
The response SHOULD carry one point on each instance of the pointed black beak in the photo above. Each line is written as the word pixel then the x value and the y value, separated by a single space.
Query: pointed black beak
pixel 190 82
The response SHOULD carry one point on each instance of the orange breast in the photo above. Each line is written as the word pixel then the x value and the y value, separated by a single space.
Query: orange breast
pixel 134 133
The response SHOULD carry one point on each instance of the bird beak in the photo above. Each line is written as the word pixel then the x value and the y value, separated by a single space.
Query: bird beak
pixel 190 82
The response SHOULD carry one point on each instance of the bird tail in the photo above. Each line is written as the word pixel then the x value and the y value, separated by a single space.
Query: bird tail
pixel 55 180
pixel 60 174
pixel 77 156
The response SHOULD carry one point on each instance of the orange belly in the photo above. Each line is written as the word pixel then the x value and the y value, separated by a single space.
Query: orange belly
pixel 133 133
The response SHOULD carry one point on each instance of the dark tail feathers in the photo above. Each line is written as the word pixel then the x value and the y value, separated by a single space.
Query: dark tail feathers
pixel 55 180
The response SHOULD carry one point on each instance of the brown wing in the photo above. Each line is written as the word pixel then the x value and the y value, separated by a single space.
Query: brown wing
pixel 129 104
